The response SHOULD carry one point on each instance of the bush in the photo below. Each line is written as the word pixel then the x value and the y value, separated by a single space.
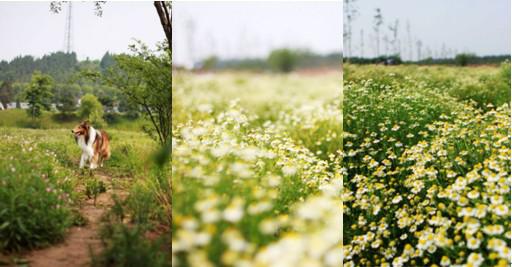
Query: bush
pixel 128 247
pixel 94 187
pixel 282 60
pixel 464 59
pixel 92 110
pixel 34 196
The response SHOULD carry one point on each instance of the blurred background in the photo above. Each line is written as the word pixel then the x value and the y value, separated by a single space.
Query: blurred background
pixel 243 35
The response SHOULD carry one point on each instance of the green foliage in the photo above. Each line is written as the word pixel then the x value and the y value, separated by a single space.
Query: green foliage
pixel 413 153
pixel 490 90
pixel 39 94
pixel 92 110
pixel 66 97
pixel 35 194
pixel 7 92
pixel 107 61
pixel 127 247
pixel 144 78
pixel 49 120
pixel 142 204
pixel 282 60
pixel 58 65
pixel 210 63
pixel 464 59
pixel 94 187
pixel 108 96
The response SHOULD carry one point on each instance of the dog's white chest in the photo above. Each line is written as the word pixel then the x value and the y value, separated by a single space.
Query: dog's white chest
pixel 81 143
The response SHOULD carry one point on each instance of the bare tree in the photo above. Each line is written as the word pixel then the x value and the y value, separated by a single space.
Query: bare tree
pixel 393 28
pixel 418 47
pixel 386 44
pixel 377 21
pixel 350 14
pixel 409 39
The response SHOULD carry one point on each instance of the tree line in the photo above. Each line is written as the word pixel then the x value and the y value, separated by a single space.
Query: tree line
pixel 67 79
pixel 278 60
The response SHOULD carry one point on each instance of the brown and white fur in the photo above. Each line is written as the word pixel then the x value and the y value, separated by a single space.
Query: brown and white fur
pixel 94 144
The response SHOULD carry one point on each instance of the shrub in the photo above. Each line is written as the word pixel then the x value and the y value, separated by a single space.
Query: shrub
pixel 282 60
pixel 91 109
pixel 94 187
pixel 464 59
pixel 128 247
pixel 34 196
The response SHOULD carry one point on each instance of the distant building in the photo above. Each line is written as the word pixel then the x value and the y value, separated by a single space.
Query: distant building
pixel 22 105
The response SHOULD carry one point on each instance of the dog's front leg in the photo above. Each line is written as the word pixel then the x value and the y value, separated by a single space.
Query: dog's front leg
pixel 82 160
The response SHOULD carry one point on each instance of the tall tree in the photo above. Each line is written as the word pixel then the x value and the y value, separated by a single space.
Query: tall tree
pixel 106 61
pixel 39 94
pixel 7 92
pixel 66 97
pixel 144 78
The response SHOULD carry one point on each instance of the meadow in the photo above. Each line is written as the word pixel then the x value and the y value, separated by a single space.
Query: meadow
pixel 46 201
pixel 256 169
pixel 426 166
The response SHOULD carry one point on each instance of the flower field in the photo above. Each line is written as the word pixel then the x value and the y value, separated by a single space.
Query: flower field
pixel 256 169
pixel 426 166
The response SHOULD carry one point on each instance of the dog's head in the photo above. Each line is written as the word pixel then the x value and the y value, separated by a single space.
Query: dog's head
pixel 81 129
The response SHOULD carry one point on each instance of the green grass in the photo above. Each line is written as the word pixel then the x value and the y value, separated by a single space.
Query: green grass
pixel 40 181
pixel 49 120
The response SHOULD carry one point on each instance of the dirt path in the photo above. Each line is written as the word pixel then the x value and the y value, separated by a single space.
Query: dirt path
pixel 75 250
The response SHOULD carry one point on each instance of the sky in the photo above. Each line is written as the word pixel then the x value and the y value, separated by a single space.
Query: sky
pixel 476 26
pixel 252 29
pixel 29 28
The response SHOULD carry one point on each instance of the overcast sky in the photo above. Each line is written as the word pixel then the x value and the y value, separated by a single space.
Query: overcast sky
pixel 477 26
pixel 29 28
pixel 252 29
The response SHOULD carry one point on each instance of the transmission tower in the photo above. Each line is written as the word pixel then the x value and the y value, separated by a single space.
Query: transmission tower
pixel 68 34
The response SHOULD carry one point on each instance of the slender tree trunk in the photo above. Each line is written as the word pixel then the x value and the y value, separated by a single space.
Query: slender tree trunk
pixel 164 10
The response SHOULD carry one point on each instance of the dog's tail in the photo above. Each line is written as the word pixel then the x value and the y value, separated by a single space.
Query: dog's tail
pixel 106 144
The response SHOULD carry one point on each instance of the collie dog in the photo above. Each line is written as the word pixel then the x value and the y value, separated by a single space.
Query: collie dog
pixel 94 144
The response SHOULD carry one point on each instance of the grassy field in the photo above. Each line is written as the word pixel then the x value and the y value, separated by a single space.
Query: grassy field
pixel 426 166
pixel 18 118
pixel 44 196
pixel 256 170
pixel 260 164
